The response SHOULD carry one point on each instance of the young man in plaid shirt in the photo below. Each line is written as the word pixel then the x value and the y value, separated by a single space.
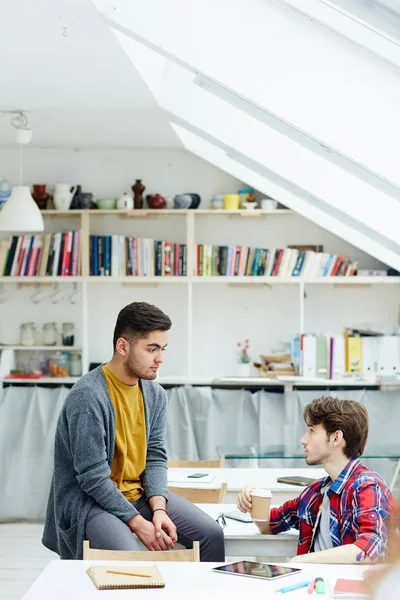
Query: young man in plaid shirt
pixel 342 518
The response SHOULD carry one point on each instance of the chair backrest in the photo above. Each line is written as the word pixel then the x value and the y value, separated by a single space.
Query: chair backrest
pixel 191 555
pixel 197 464
pixel 201 495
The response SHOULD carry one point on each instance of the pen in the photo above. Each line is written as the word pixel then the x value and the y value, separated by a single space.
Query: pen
pixel 125 573
pixel 320 585
pixel 311 586
pixel 295 586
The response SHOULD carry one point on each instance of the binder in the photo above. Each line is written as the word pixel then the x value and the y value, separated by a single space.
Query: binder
pixel 337 357
pixel 370 355
pixel 309 363
pixel 389 355
pixel 354 354
pixel 322 364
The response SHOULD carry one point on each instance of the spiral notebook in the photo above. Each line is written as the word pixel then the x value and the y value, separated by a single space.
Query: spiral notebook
pixel 125 578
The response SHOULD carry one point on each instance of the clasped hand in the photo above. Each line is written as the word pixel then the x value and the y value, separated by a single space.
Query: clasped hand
pixel 157 535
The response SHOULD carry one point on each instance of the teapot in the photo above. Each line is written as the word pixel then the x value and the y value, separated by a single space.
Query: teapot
pixel 63 194
pixel 156 201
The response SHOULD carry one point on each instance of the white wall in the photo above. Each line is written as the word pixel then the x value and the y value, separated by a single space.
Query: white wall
pixel 108 173
pixel 223 314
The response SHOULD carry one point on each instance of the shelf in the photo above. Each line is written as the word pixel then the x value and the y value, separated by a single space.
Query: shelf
pixel 246 280
pixel 245 213
pixel 165 211
pixel 353 280
pixel 268 382
pixel 133 280
pixel 249 280
pixel 44 348
pixel 226 381
pixel 254 280
pixel 36 279
pixel 42 380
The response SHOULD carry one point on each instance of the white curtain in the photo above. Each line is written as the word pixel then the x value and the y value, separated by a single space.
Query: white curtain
pixel 199 420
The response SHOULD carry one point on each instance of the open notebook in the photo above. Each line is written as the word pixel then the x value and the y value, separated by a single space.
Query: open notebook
pixel 120 578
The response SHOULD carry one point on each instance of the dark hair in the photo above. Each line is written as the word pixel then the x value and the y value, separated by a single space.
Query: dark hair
pixel 136 320
pixel 348 416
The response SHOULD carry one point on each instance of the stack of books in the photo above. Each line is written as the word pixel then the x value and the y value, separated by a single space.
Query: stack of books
pixel 274 365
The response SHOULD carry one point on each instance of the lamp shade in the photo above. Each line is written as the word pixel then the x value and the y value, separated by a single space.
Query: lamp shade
pixel 20 212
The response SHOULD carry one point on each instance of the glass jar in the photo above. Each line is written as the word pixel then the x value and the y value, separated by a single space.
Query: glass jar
pixel 75 365
pixel 28 334
pixel 50 334
pixel 68 334
pixel 59 364
pixel 44 364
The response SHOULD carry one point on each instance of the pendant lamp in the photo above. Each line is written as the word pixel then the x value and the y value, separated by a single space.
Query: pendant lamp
pixel 21 213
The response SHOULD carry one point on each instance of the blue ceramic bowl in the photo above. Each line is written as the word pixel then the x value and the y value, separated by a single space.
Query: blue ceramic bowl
pixel 185 201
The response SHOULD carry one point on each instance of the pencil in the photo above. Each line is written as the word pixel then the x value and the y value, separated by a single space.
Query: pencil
pixel 125 573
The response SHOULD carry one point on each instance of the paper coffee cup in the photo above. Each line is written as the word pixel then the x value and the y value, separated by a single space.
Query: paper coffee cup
pixel 261 503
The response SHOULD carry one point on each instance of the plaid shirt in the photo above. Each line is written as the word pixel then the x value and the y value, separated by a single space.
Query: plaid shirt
pixel 360 504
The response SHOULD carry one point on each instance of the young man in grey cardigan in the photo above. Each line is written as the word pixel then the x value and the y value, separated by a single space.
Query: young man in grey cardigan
pixel 109 482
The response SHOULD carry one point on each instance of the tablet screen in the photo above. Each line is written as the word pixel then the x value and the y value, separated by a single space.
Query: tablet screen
pixel 255 569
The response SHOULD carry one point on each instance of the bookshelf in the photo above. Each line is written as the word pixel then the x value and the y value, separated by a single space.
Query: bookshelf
pixel 86 218
pixel 103 222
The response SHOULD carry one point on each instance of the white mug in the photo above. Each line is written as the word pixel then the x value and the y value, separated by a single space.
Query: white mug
pixel 268 204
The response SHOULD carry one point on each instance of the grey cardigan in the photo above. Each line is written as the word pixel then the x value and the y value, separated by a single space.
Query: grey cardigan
pixel 83 455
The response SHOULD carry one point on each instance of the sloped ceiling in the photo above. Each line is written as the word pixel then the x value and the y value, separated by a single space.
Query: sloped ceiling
pixel 62 64
pixel 290 76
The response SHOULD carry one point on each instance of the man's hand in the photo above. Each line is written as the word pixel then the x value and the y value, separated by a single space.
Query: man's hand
pixel 244 503
pixel 146 532
pixel 163 525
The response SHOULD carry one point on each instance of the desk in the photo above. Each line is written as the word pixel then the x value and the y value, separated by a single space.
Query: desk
pixel 260 452
pixel 238 478
pixel 244 539
pixel 66 579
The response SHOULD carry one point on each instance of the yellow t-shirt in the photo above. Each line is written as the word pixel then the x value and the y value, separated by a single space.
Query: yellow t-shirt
pixel 129 460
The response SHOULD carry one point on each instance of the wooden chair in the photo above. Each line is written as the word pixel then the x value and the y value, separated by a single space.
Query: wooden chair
pixel 192 555
pixel 197 464
pixel 201 495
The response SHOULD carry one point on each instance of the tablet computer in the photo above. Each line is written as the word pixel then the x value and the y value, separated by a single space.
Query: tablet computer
pixel 256 569
pixel 296 480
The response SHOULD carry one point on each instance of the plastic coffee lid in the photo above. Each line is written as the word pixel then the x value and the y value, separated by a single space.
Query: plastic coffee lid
pixel 261 492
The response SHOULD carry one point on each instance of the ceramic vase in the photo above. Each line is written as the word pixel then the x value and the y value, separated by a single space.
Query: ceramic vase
pixel 40 195
pixel 243 370
pixel 138 189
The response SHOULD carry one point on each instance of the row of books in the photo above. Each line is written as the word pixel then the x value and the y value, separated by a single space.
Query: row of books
pixel 334 356
pixel 117 255
pixel 52 254
pixel 281 262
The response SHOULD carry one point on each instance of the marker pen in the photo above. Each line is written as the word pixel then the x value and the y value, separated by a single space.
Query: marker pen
pixel 295 586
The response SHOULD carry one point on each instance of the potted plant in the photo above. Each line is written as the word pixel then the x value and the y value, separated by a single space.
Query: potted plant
pixel 244 359
pixel 251 202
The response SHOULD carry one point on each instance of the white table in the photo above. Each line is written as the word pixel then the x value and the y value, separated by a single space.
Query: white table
pixel 237 478
pixel 244 539
pixel 66 579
